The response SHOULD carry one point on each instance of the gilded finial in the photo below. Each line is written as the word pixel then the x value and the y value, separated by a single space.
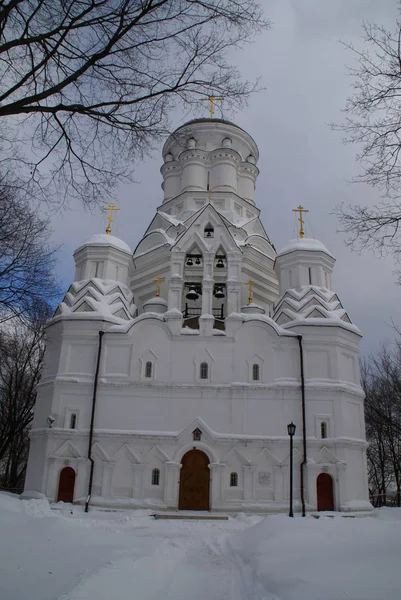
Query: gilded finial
pixel 158 281
pixel 111 207
pixel 250 285
pixel 212 100
pixel 301 210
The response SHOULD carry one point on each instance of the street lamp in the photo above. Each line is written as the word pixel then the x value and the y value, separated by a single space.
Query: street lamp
pixel 291 432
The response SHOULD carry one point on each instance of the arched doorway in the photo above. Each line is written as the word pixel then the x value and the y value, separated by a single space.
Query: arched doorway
pixel 324 489
pixel 194 481
pixel 66 485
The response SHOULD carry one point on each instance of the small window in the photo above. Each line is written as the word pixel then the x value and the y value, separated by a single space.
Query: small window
pixel 234 480
pixel 323 430
pixel 197 434
pixel 208 231
pixel 204 371
pixel 255 372
pixel 155 477
pixel 73 421
pixel 310 275
pixel 148 369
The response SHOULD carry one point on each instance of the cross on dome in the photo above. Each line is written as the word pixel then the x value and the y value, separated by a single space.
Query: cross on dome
pixel 212 100
pixel 158 281
pixel 300 209
pixel 250 285
pixel 111 207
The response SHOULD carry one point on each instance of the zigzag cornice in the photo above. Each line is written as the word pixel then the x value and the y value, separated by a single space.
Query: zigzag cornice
pixel 97 298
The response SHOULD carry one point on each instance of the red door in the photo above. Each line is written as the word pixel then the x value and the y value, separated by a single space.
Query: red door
pixel 194 481
pixel 325 495
pixel 66 485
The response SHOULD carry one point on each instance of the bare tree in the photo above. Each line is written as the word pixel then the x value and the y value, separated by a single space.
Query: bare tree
pixel 26 258
pixel 381 380
pixel 373 121
pixel 21 357
pixel 87 85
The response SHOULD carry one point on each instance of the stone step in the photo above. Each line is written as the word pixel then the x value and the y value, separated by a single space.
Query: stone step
pixel 192 515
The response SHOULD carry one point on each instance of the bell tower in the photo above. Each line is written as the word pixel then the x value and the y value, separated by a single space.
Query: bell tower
pixel 206 239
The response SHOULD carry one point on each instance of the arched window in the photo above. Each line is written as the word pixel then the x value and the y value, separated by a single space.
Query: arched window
pixel 148 369
pixel 255 372
pixel 323 430
pixel 234 480
pixel 155 477
pixel 204 371
pixel 73 421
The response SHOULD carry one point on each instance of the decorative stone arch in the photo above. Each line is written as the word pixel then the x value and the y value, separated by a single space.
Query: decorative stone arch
pixel 194 490
pixel 158 320
pixel 66 485
pixel 208 450
pixel 325 491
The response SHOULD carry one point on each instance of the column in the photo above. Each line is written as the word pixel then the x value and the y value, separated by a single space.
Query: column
pixel 234 290
pixel 206 320
pixel 176 282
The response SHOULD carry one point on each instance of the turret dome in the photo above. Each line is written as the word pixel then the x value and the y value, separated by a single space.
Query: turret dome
pixel 104 239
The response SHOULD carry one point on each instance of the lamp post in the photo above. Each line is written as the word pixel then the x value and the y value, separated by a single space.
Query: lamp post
pixel 291 431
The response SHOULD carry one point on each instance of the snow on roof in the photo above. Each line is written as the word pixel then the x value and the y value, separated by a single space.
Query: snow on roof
pixel 304 244
pixel 312 305
pixel 171 219
pixel 104 239
pixel 97 299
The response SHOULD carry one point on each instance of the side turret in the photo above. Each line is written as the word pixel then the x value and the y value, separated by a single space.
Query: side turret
pixel 304 261
pixel 103 256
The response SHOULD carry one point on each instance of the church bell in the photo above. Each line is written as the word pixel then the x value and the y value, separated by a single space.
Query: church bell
pixel 192 293
pixel 218 293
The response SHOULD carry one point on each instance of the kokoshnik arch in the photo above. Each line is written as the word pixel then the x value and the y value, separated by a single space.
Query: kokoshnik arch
pixel 172 371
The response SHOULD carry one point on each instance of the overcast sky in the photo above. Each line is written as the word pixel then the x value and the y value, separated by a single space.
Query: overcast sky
pixel 303 68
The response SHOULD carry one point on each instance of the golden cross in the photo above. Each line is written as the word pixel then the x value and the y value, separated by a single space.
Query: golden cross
pixel 110 208
pixel 250 285
pixel 300 210
pixel 209 195
pixel 158 280
pixel 212 100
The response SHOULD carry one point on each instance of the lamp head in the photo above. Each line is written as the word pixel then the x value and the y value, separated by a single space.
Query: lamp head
pixel 291 429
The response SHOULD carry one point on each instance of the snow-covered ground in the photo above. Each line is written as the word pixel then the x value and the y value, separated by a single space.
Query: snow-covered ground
pixel 52 554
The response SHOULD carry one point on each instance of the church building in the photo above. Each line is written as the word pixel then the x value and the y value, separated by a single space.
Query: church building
pixel 173 371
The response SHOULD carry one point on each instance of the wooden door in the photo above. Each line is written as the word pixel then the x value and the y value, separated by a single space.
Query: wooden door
pixel 325 495
pixel 66 485
pixel 194 481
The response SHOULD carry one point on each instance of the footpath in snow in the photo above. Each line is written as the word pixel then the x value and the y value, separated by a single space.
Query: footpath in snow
pixel 55 555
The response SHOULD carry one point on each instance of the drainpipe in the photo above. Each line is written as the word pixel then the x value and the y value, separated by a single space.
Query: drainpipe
pixel 304 460
pixel 99 353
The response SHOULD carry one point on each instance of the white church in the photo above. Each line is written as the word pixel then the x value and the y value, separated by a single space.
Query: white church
pixel 172 371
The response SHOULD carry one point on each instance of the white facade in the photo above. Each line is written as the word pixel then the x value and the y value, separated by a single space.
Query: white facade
pixel 217 372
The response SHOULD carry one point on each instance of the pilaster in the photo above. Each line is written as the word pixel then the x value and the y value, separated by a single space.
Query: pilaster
pixel 216 472
pixel 171 479
pixel 249 473
pixel 138 470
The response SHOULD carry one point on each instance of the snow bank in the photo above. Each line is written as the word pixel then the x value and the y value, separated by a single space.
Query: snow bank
pixel 36 507
pixel 325 559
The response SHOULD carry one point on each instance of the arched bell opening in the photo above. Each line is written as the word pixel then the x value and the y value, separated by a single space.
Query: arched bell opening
pixel 192 290
pixel 219 300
